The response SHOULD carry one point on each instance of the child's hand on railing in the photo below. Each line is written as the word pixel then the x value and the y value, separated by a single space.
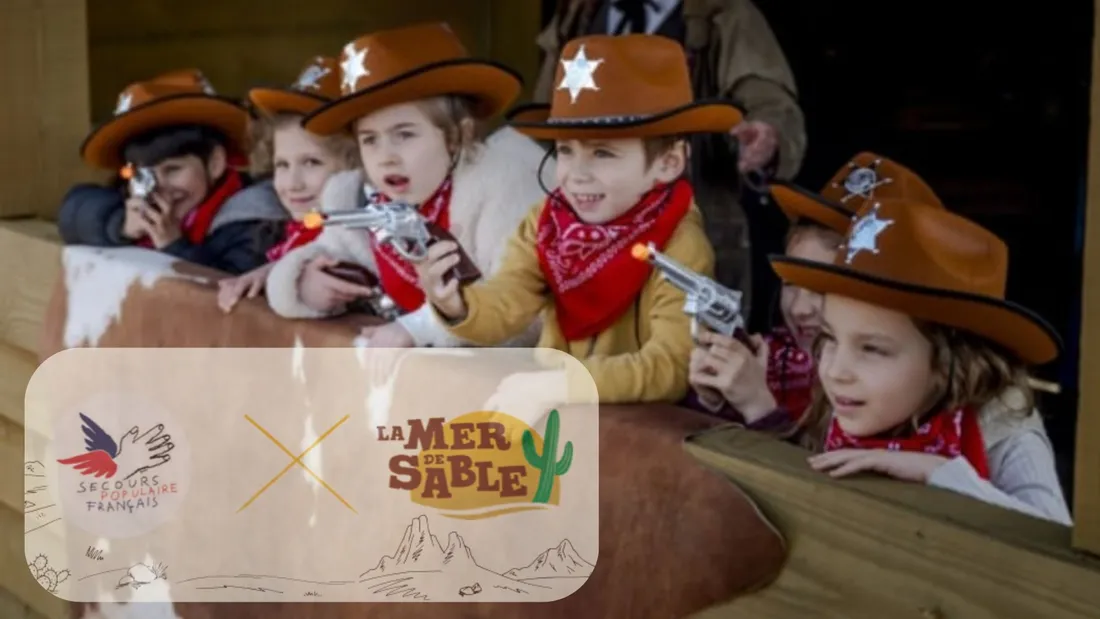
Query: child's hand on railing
pixel 232 289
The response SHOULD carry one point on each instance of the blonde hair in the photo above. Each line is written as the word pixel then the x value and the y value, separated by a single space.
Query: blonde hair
pixel 804 226
pixel 262 159
pixel 967 370
pixel 453 115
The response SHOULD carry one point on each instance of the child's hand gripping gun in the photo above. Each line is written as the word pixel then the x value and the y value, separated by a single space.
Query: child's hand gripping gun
pixel 143 181
pixel 718 308
pixel 402 227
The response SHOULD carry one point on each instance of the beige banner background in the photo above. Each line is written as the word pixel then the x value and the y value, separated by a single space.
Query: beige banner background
pixel 198 528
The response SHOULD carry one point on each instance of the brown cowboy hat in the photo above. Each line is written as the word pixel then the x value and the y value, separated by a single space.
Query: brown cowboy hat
pixel 181 97
pixel 317 84
pixel 931 264
pixel 634 85
pixel 867 176
pixel 406 64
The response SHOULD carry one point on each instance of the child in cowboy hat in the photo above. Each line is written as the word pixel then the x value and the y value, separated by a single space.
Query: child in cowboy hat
pixel 922 360
pixel 203 210
pixel 620 109
pixel 412 97
pixel 728 379
pixel 300 163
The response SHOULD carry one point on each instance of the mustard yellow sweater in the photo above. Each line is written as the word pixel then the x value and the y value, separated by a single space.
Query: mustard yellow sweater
pixel 642 357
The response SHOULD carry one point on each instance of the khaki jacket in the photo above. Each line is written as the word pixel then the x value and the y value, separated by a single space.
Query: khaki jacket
pixel 641 357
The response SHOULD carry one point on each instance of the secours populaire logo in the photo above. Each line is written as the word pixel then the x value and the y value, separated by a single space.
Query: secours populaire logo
pixel 122 466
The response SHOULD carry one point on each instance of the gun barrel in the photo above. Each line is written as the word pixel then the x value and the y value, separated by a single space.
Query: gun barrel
pixel 357 219
pixel 680 276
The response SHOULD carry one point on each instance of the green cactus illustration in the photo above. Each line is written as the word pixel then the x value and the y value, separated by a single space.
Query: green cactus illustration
pixel 545 463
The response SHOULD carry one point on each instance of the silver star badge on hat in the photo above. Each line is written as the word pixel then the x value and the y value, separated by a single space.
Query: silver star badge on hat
pixel 353 67
pixel 864 234
pixel 125 100
pixel 578 74
pixel 310 77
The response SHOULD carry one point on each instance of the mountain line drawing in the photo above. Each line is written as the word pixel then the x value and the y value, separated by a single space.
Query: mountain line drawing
pixel 422 568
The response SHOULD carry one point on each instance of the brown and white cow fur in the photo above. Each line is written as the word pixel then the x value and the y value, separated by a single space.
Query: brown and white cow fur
pixel 675 537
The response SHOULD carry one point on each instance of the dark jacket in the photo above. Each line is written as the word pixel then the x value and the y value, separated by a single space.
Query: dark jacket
pixel 93 215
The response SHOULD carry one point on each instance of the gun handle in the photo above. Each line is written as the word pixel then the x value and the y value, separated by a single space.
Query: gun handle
pixel 466 271
pixel 742 336
pixel 356 274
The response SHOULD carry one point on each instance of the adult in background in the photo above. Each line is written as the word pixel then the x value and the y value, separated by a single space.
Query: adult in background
pixel 733 55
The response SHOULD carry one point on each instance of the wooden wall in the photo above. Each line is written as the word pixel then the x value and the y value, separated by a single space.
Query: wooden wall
pixel 238 46
pixel 1086 533
pixel 65 61
pixel 44 114
pixel 31 253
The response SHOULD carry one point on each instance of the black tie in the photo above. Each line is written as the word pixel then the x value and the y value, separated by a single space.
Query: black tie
pixel 633 14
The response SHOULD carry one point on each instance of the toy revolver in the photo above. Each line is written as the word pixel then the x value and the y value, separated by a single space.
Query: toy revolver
pixel 708 302
pixel 143 181
pixel 402 227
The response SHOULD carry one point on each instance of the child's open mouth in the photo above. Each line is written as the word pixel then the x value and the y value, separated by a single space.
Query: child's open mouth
pixel 844 405
pixel 396 182
pixel 587 200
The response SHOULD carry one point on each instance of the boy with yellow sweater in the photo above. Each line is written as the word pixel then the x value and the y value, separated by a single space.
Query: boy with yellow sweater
pixel 618 116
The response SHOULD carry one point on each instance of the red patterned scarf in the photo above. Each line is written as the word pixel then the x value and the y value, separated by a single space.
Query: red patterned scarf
pixel 950 433
pixel 295 235
pixel 791 372
pixel 397 275
pixel 196 223
pixel 589 267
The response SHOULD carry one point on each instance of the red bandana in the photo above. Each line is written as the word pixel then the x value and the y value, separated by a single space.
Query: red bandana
pixel 295 235
pixel 791 372
pixel 196 223
pixel 589 267
pixel 397 275
pixel 949 434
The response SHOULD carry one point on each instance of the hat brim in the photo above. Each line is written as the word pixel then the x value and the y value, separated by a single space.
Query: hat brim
pixel 716 116
pixel 273 101
pixel 796 202
pixel 492 87
pixel 103 146
pixel 1013 327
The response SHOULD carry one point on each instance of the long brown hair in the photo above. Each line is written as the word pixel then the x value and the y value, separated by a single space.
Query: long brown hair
pixel 967 370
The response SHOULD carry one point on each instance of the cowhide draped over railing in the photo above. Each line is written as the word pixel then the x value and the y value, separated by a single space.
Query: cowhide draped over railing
pixel 675 537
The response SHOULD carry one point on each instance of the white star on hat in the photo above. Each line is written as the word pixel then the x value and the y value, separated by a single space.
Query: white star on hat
pixel 864 235
pixel 125 100
pixel 578 74
pixel 310 77
pixel 353 67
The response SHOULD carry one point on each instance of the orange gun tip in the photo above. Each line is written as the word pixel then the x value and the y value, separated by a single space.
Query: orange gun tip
pixel 640 251
pixel 313 220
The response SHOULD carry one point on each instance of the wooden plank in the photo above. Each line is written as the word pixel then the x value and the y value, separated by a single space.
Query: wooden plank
pixel 15 576
pixel 32 250
pixel 16 368
pixel 239 47
pixel 1086 486
pixel 873 547
pixel 12 457
pixel 43 58
pixel 14 608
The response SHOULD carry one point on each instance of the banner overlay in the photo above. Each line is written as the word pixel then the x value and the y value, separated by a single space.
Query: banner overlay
pixel 312 475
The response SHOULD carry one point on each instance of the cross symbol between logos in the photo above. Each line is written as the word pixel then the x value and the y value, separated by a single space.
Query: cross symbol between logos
pixel 296 460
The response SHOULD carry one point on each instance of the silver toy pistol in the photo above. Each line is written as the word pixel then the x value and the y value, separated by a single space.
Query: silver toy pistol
pixel 708 302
